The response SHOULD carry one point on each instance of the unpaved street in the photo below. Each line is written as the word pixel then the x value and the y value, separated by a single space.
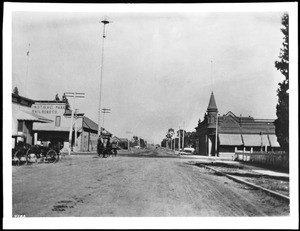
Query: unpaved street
pixel 150 183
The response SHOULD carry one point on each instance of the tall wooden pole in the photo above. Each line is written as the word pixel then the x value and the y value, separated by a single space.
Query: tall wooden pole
pixel 216 140
pixel 101 76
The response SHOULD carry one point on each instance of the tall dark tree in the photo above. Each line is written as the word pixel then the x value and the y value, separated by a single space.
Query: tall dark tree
pixel 190 139
pixel 16 91
pixel 164 143
pixel 169 135
pixel 135 141
pixel 282 108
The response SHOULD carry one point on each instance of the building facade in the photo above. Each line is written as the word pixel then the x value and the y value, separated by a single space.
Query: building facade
pixel 121 142
pixel 23 120
pixel 84 130
pixel 224 135
pixel 49 121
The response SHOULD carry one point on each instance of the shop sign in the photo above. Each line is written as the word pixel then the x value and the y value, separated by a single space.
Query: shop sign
pixel 47 108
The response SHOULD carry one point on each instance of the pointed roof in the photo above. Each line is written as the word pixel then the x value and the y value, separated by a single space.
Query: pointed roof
pixel 212 103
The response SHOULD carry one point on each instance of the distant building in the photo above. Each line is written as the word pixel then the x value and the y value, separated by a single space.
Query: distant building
pixel 121 142
pixel 234 133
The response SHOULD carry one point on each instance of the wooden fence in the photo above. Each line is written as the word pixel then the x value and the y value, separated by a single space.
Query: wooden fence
pixel 273 159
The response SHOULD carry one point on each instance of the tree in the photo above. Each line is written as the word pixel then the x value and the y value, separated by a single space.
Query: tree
pixel 164 142
pixel 16 91
pixel 143 143
pixel 181 133
pixel 282 108
pixel 169 135
pixel 135 141
pixel 191 138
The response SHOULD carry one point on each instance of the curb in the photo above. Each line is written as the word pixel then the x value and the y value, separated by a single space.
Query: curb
pixel 249 184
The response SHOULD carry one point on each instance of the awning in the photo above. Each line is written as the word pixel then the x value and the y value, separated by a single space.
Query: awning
pixel 18 135
pixel 273 141
pixel 230 139
pixel 252 140
pixel 265 140
pixel 29 116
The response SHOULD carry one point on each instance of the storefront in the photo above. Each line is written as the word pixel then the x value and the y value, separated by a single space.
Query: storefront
pixel 23 120
pixel 84 130
pixel 49 121
pixel 225 135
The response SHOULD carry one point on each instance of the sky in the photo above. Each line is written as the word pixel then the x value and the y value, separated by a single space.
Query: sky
pixel 159 68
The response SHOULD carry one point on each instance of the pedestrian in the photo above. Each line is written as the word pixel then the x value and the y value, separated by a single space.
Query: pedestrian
pixel 114 147
pixel 99 146
pixel 109 147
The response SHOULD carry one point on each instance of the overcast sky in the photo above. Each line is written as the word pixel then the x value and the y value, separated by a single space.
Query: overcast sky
pixel 157 71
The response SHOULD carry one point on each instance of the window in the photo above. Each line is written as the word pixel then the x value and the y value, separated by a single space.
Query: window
pixel 20 126
pixel 57 121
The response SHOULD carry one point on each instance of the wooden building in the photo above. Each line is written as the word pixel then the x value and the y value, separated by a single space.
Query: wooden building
pixel 49 121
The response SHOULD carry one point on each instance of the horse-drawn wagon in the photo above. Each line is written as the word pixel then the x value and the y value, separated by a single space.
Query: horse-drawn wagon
pixel 105 147
pixel 26 153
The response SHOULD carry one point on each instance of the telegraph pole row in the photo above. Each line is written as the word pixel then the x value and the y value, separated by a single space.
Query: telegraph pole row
pixel 74 95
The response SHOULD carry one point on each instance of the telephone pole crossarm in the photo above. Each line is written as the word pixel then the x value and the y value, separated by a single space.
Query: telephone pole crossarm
pixel 74 95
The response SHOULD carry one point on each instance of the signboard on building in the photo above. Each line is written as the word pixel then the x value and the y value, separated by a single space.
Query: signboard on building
pixel 50 108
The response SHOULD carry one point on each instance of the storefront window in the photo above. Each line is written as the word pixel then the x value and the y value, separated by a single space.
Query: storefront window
pixel 20 126
pixel 57 121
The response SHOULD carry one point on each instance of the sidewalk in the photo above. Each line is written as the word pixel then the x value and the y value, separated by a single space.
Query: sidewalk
pixel 257 169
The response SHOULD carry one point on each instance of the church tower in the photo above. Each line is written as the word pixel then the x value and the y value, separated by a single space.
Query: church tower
pixel 212 112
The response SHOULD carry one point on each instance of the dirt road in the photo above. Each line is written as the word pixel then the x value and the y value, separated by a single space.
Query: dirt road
pixel 153 183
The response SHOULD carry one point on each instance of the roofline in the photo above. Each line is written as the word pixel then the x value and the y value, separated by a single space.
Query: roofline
pixel 50 101
pixel 38 101
pixel 22 97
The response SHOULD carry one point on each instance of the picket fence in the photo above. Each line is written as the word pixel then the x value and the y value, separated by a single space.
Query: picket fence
pixel 273 159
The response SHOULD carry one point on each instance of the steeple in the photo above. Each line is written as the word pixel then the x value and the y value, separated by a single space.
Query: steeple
pixel 212 107
pixel 212 112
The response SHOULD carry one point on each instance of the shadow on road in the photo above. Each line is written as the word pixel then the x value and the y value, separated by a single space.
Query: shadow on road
pixel 148 154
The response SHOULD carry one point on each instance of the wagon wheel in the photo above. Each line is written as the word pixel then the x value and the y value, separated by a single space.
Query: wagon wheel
pixel 16 156
pixel 52 156
pixel 58 155
pixel 29 157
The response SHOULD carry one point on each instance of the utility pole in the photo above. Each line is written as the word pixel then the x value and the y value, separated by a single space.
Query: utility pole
pixel 216 140
pixel 129 132
pixel 183 136
pixel 28 59
pixel 104 111
pixel 179 140
pixel 105 21
pixel 75 127
pixel 74 95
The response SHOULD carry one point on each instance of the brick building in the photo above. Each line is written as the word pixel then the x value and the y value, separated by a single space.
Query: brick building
pixel 224 135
